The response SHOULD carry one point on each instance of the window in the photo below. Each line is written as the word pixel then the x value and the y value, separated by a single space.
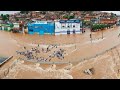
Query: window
pixel 69 25
pixel 80 26
pixel 31 30
pixel 73 26
pixel 63 25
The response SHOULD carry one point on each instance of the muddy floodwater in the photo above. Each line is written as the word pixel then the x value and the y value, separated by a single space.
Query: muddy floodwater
pixel 78 46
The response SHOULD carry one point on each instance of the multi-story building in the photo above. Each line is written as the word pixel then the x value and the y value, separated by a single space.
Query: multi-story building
pixel 72 26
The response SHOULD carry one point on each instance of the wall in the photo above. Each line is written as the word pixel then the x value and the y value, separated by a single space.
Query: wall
pixel 61 27
pixel 42 27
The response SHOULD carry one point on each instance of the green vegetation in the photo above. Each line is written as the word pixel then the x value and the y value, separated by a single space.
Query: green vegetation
pixel 96 27
pixel 86 23
pixel 68 17
pixel 5 17
pixel 17 19
pixel 24 12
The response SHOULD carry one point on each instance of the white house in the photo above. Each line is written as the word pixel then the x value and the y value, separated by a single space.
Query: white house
pixel 73 26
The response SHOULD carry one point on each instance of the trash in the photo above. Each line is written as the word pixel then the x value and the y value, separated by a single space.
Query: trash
pixel 89 71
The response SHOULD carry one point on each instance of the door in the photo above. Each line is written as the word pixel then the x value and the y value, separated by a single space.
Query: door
pixel 73 31
pixel 41 32
pixel 0 28
pixel 68 31
pixel 30 31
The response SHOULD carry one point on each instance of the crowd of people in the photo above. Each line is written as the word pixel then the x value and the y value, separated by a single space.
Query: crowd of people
pixel 33 53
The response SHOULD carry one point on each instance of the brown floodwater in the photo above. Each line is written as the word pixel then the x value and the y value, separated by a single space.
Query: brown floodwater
pixel 7 44
pixel 10 42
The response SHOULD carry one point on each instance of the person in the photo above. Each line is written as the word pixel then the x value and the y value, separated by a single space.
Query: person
pixel 84 31
pixel 118 34
pixel 24 47
pixel 90 35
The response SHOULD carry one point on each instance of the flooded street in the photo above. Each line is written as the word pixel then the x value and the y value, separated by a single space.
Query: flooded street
pixel 60 45
pixel 8 46
pixel 81 45
pixel 77 47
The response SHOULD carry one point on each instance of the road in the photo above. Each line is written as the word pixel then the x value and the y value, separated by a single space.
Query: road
pixel 88 49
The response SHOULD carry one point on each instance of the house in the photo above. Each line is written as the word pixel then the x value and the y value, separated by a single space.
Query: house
pixel 41 27
pixel 94 19
pixel 108 21
pixel 73 26
pixel 118 20
pixel 87 18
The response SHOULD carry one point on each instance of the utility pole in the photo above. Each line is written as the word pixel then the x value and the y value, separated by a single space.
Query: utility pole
pixel 102 34
pixel 102 29
pixel 91 30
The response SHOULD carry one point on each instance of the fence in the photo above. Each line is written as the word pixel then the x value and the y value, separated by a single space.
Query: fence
pixel 44 62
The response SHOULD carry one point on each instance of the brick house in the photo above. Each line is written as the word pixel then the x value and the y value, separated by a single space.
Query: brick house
pixel 108 21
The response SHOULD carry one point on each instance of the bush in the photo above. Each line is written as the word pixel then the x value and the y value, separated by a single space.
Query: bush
pixel 98 26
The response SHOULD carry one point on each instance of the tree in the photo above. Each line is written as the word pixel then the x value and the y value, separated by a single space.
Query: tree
pixel 1 15
pixel 24 12
pixel 113 15
pixel 4 17
pixel 7 15
pixel 71 17
pixel 65 16
pixel 16 19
